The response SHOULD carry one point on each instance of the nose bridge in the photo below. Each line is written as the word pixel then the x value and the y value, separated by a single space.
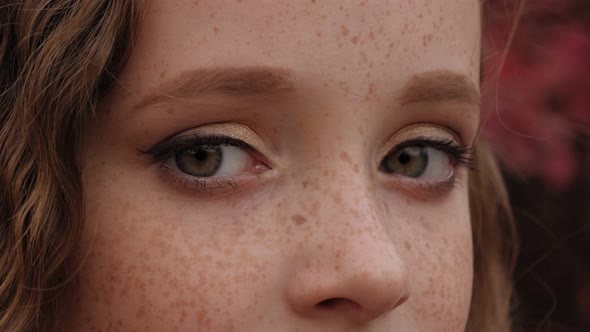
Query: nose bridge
pixel 345 192
pixel 347 256
pixel 341 196
pixel 351 228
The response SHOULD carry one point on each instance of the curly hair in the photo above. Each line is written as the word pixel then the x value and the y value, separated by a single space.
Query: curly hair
pixel 56 60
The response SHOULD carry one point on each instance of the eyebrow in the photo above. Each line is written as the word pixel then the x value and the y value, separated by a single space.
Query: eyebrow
pixel 432 86
pixel 439 86
pixel 230 81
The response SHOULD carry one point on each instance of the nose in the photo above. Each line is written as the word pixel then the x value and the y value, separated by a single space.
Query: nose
pixel 349 268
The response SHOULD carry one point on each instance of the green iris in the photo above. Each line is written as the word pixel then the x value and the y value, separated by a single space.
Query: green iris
pixel 201 161
pixel 409 161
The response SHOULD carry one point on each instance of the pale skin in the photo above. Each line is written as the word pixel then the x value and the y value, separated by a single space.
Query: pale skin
pixel 306 231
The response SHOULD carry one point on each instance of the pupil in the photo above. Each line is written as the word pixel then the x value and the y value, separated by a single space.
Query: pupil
pixel 410 161
pixel 404 158
pixel 201 154
pixel 200 161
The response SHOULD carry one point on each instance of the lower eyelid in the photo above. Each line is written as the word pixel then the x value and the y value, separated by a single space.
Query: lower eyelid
pixel 205 186
pixel 421 189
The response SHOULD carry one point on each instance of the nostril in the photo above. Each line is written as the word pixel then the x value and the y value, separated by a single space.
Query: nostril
pixel 329 303
pixel 335 302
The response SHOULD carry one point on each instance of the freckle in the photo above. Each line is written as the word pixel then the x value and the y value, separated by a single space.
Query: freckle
pixel 408 245
pixel 298 219
pixel 305 184
pixel 371 89
pixel 356 168
pixel 344 30
pixel 163 74
pixel 260 233
pixel 372 35
pixel 345 157
pixel 355 40
pixel 313 1
pixel 318 33
pixel 140 312
pixel 215 29
pixel 201 316
pixel 364 57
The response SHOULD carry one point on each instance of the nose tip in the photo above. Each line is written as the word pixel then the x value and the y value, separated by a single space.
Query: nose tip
pixel 357 297
pixel 346 268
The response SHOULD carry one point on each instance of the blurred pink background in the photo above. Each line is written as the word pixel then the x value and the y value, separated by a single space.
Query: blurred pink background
pixel 536 103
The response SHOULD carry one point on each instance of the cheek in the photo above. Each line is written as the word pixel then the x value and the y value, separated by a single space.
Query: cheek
pixel 148 262
pixel 439 253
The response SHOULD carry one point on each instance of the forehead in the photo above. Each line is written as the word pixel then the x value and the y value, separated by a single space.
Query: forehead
pixel 384 42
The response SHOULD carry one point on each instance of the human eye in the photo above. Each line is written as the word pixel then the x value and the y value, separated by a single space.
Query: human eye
pixel 427 161
pixel 207 162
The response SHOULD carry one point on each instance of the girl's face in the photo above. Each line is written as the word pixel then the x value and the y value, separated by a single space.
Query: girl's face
pixel 283 166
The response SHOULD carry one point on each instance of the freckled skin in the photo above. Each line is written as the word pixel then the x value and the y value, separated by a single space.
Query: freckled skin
pixel 326 245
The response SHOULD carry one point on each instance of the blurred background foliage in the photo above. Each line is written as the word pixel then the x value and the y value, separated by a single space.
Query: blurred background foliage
pixel 536 103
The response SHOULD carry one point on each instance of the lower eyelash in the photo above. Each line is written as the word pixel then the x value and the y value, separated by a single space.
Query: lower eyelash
pixel 430 189
pixel 199 185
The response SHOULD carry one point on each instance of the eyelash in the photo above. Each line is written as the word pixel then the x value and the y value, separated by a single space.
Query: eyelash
pixel 168 148
pixel 461 155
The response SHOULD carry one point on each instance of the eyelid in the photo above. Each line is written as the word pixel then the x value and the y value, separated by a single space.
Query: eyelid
pixel 225 133
pixel 419 131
